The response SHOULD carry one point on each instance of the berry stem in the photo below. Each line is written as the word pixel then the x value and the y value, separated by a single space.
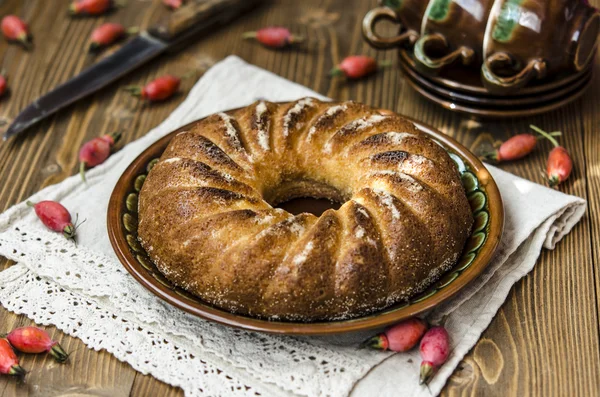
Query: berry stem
pixel 336 72
pixel 379 342
pixel 116 136
pixel 545 134
pixel 295 39
pixel 426 372
pixel 249 35
pixel 17 370
pixel 59 354
pixel 135 90
pixel 82 170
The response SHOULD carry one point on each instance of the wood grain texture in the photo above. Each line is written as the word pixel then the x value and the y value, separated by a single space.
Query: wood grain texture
pixel 543 342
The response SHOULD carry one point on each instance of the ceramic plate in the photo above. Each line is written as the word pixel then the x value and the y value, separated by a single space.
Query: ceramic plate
pixel 482 192
pixel 497 112
pixel 465 80
pixel 498 102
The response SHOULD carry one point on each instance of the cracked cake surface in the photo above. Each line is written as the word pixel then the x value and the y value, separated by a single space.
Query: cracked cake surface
pixel 207 215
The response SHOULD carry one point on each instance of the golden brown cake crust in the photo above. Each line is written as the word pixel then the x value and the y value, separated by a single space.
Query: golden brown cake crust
pixel 207 218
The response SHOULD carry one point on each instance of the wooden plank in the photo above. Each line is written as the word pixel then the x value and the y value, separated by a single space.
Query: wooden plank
pixel 544 340
pixel 591 132
pixel 47 155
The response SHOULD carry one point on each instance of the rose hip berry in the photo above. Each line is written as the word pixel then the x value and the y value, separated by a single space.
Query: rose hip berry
pixel 559 166
pixel 435 349
pixel 173 4
pixel 15 29
pixel 400 337
pixel 357 66
pixel 560 163
pixel 106 34
pixel 9 363
pixel 96 151
pixel 516 147
pixel 157 90
pixel 274 37
pixel 36 340
pixel 91 7
pixel 55 217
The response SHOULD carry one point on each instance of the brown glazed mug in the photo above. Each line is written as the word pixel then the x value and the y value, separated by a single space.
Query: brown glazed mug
pixel 452 30
pixel 407 13
pixel 530 39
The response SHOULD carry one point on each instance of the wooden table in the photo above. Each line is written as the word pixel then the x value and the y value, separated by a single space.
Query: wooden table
pixel 545 339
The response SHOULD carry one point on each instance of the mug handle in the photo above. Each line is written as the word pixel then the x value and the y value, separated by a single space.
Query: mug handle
pixel 434 65
pixel 375 40
pixel 536 68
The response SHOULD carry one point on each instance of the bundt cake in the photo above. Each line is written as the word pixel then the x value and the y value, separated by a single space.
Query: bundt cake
pixel 207 215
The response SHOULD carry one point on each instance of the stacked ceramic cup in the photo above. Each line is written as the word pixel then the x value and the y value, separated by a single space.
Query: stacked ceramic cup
pixel 494 58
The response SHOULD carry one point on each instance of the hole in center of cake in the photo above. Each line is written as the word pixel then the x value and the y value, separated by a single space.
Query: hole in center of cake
pixel 302 195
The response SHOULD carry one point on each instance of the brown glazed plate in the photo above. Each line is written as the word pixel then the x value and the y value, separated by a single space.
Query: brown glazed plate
pixel 465 80
pixel 498 102
pixel 482 192
pixel 497 112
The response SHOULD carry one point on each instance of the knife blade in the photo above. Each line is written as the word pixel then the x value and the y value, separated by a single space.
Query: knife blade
pixel 172 33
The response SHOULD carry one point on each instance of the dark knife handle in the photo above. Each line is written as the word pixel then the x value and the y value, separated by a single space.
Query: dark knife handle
pixel 197 15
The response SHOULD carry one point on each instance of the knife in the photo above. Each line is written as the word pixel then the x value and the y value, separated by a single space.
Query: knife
pixel 196 17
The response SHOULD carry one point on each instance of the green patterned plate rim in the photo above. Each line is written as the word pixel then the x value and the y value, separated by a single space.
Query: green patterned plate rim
pixel 482 193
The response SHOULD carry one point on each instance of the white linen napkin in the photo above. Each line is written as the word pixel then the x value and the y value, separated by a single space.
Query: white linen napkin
pixel 84 290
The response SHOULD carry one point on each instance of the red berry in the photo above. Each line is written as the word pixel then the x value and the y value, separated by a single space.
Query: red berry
pixel 559 166
pixel 90 7
pixel 435 349
pixel 36 340
pixel 514 148
pixel 2 84
pixel 161 88
pixel 106 34
pixel 400 337
pixel 274 37
pixel 55 217
pixel 14 29
pixel 173 4
pixel 357 66
pixel 9 363
pixel 96 151
pixel 518 146
pixel 157 90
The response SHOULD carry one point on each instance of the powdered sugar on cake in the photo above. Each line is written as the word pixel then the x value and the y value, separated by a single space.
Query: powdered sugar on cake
pixel 420 160
pixel 263 127
pixel 411 183
pixel 356 126
pixel 397 138
pixel 301 257
pixel 363 212
pixel 231 131
pixel 293 112
pixel 388 201
pixel 330 113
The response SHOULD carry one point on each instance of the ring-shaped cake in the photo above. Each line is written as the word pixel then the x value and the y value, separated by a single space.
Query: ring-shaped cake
pixel 208 216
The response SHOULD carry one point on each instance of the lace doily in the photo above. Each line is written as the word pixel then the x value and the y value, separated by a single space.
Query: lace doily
pixel 95 299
